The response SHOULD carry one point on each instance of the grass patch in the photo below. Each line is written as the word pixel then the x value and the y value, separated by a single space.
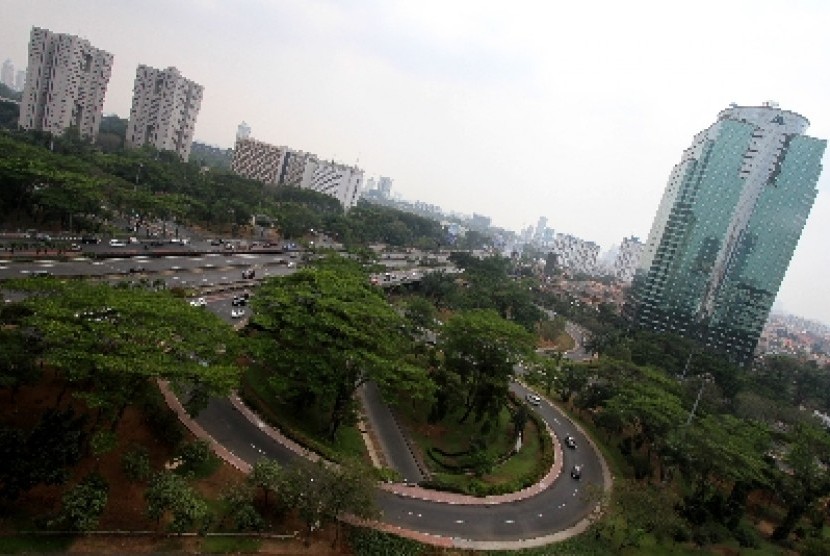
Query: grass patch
pixel 306 428
pixel 230 545
pixel 456 440
pixel 369 542
pixel 465 459
pixel 34 544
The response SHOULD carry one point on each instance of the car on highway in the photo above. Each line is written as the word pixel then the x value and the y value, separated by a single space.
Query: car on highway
pixel 248 273
pixel 237 313
pixel 570 442
pixel 533 399
pixel 576 472
pixel 198 302
pixel 118 243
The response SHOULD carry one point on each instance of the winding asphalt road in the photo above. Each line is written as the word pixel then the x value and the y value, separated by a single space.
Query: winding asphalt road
pixel 552 510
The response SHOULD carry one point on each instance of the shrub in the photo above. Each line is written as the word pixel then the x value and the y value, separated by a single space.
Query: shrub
pixel 747 536
pixel 136 464
pixel 195 453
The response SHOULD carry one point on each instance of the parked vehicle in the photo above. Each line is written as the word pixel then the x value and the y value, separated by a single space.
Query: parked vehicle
pixel 237 313
pixel 198 302
pixel 118 243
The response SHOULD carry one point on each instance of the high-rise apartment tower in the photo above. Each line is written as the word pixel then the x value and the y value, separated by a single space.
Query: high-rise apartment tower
pixel 66 81
pixel 164 111
pixel 726 228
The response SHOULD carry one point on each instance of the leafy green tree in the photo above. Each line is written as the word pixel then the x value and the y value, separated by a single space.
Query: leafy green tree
pixel 136 463
pixel 120 338
pixel 481 349
pixel 351 492
pixel 266 474
pixel 43 455
pixel 169 494
pixel 321 494
pixel 238 500
pixel 634 510
pixel 18 359
pixel 718 448
pixel 420 312
pixel 324 331
pixel 83 505
pixel 808 481
pixel 646 410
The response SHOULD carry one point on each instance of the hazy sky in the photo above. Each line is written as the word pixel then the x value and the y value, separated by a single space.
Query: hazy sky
pixel 576 111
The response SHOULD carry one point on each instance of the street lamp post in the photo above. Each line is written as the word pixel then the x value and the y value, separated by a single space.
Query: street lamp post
pixel 706 378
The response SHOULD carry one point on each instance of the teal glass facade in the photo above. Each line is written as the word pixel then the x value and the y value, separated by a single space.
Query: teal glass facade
pixel 727 226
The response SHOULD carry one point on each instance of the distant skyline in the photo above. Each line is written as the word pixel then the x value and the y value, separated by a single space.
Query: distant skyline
pixel 576 112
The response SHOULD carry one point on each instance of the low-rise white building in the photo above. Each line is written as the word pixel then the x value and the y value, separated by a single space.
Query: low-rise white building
pixel 286 167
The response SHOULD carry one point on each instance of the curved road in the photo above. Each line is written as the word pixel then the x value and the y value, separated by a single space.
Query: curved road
pixel 557 510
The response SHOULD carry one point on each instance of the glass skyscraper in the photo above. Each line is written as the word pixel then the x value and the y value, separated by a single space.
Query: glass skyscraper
pixel 726 228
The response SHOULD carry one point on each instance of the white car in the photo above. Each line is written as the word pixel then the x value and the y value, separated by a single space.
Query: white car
pixel 237 313
pixel 198 302
pixel 533 399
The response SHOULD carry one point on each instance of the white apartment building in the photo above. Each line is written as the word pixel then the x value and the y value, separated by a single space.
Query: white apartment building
pixel 257 160
pixel 342 182
pixel 66 81
pixel 574 254
pixel 164 110
pixel 286 167
pixel 627 258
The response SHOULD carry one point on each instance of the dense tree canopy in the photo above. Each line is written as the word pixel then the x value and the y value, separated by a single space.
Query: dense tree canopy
pixel 105 340
pixel 324 331
pixel 480 352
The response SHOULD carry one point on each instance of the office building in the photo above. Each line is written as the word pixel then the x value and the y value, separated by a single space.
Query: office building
pixel 66 81
pixel 726 228
pixel 7 74
pixel 243 131
pixel 19 80
pixel 164 110
pixel 385 187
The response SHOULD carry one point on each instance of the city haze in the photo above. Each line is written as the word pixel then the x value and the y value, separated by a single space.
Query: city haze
pixel 576 111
